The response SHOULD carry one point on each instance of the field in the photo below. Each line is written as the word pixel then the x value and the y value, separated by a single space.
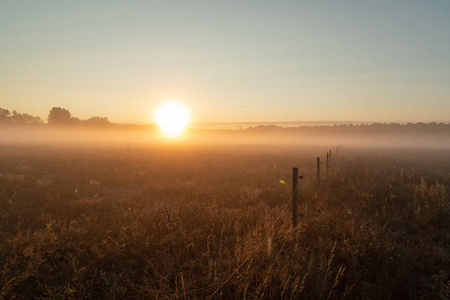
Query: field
pixel 199 222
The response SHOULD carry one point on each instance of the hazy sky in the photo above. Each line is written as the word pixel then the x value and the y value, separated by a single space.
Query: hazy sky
pixel 233 61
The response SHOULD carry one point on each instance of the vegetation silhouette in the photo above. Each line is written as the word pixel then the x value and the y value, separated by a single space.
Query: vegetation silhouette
pixel 62 117
pixel 16 118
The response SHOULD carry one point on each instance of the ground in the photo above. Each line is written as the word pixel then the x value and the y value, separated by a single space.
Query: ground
pixel 214 222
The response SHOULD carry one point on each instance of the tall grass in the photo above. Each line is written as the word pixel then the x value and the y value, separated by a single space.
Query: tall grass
pixel 204 224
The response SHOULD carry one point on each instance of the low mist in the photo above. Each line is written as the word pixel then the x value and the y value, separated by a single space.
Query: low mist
pixel 378 135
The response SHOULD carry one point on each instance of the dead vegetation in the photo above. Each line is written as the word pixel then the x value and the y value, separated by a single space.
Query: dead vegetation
pixel 215 223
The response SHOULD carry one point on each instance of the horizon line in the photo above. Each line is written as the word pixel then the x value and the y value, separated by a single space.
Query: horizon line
pixel 291 122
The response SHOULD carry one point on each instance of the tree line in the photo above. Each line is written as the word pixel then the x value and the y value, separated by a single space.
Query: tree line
pixel 62 117
pixel 7 117
pixel 57 116
pixel 373 129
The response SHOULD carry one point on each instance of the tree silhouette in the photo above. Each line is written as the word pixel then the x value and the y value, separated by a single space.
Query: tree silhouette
pixel 4 115
pixel 97 121
pixel 61 116
pixel 16 118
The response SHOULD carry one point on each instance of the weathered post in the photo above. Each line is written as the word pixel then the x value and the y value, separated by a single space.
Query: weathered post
pixel 318 172
pixel 330 157
pixel 294 197
pixel 327 163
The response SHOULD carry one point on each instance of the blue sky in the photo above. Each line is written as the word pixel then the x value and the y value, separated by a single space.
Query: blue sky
pixel 228 61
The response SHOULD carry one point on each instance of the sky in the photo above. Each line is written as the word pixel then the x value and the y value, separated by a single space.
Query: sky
pixel 228 61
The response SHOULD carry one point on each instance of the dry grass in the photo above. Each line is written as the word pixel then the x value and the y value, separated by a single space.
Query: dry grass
pixel 198 224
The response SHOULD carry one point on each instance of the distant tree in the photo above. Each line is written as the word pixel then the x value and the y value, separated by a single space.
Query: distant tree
pixel 97 121
pixel 29 119
pixel 4 115
pixel 61 116
pixel 16 118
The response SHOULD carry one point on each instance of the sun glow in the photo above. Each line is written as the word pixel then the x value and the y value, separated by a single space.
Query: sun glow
pixel 172 118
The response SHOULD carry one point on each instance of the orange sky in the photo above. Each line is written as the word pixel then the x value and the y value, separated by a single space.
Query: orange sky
pixel 228 61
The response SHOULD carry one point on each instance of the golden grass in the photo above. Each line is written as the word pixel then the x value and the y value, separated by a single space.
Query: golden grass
pixel 211 223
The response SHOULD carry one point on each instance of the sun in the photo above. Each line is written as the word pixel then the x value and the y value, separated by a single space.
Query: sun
pixel 172 118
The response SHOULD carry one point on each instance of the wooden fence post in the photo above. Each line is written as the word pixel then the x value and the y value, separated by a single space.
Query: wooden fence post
pixel 327 163
pixel 318 172
pixel 330 157
pixel 294 197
